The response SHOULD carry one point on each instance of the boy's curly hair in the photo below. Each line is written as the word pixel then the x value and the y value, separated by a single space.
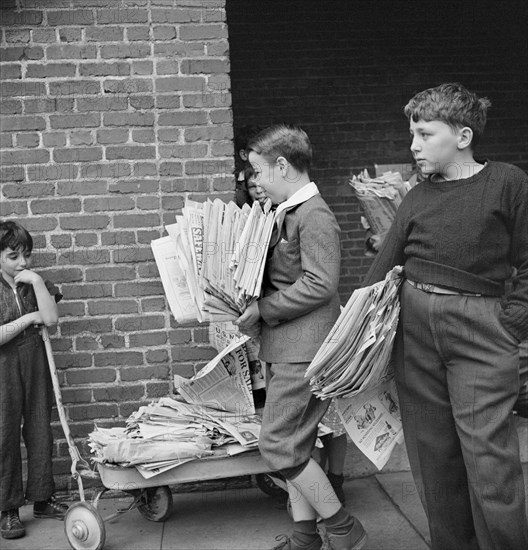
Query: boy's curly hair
pixel 15 237
pixel 453 104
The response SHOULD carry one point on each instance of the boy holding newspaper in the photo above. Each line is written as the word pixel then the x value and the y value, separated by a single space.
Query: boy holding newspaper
pixel 458 235
pixel 299 306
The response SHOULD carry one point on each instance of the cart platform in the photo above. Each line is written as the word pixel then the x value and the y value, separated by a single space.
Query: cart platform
pixel 217 466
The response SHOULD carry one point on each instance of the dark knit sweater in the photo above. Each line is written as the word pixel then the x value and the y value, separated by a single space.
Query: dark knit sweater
pixel 465 234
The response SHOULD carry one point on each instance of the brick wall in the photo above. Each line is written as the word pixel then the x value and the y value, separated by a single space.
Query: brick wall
pixel 112 113
pixel 343 70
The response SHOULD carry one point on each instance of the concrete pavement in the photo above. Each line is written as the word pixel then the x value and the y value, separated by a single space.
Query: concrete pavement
pixel 245 519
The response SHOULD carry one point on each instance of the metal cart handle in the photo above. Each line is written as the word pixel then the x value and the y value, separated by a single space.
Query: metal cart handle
pixel 79 465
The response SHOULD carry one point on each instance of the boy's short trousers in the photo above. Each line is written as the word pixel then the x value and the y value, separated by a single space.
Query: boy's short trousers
pixel 290 418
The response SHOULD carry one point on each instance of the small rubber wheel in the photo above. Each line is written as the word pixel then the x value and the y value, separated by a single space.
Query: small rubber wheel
pixel 155 503
pixel 266 484
pixel 84 527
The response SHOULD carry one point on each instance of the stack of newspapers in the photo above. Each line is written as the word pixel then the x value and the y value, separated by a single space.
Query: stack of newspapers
pixel 166 434
pixel 212 414
pixel 211 263
pixel 355 355
pixel 379 198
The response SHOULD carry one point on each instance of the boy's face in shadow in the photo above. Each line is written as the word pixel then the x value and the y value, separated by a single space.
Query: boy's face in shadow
pixel 255 191
pixel 269 177
pixel 435 146
pixel 14 261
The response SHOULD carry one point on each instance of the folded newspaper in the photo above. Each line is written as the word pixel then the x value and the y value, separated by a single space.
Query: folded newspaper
pixel 225 333
pixel 211 263
pixel 379 198
pixel 224 383
pixel 353 364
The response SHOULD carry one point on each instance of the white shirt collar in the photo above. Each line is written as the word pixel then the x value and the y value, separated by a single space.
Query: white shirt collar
pixel 305 193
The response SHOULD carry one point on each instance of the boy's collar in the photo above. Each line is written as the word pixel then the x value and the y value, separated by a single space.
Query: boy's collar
pixel 439 178
pixel 3 281
pixel 305 193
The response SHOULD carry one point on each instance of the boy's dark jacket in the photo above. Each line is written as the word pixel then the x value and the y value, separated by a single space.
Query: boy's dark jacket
pixel 300 302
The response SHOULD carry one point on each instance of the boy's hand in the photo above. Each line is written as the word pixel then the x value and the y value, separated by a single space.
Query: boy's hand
pixel 37 318
pixel 248 322
pixel 27 276
pixel 374 241
pixel 252 331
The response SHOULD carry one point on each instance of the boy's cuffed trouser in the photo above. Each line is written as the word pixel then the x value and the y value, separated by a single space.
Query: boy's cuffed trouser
pixel 457 372
pixel 26 398
pixel 290 418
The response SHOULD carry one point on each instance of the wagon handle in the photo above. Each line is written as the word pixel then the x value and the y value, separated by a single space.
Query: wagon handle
pixel 78 464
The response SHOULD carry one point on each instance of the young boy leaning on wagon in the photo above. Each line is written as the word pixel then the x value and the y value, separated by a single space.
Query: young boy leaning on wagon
pixel 26 300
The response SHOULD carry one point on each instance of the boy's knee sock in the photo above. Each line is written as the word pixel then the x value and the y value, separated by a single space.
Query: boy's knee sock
pixel 340 523
pixel 324 501
pixel 305 532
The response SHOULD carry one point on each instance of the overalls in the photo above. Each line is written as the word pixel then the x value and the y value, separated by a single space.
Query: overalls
pixel 25 399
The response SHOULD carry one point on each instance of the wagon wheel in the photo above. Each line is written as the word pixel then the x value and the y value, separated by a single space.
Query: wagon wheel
pixel 84 527
pixel 266 484
pixel 155 503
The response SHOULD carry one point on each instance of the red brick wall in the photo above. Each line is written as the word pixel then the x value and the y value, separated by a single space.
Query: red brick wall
pixel 112 113
pixel 343 70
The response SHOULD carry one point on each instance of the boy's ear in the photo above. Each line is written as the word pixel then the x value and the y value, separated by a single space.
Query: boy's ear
pixel 282 163
pixel 465 137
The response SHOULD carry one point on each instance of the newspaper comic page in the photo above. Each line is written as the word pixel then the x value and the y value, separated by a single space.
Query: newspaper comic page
pixel 373 422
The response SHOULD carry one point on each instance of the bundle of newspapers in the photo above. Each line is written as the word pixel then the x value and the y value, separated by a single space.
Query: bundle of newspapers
pixel 213 413
pixel 356 353
pixel 353 365
pixel 211 263
pixel 379 198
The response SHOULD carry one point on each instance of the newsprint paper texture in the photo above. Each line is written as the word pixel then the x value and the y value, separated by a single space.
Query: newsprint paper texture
pixel 373 422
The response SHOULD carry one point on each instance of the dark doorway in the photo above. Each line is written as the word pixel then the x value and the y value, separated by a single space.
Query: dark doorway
pixel 343 70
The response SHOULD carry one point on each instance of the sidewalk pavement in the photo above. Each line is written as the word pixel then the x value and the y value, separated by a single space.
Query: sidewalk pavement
pixel 245 519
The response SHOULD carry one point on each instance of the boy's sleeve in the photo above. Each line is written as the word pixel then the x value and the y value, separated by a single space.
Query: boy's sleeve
pixel 320 252
pixel 514 315
pixel 54 291
pixel 391 252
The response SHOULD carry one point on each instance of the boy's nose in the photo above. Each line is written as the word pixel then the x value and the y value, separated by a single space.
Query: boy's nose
pixel 414 145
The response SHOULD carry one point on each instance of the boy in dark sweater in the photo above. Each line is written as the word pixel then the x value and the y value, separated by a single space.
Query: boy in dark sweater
pixel 458 235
